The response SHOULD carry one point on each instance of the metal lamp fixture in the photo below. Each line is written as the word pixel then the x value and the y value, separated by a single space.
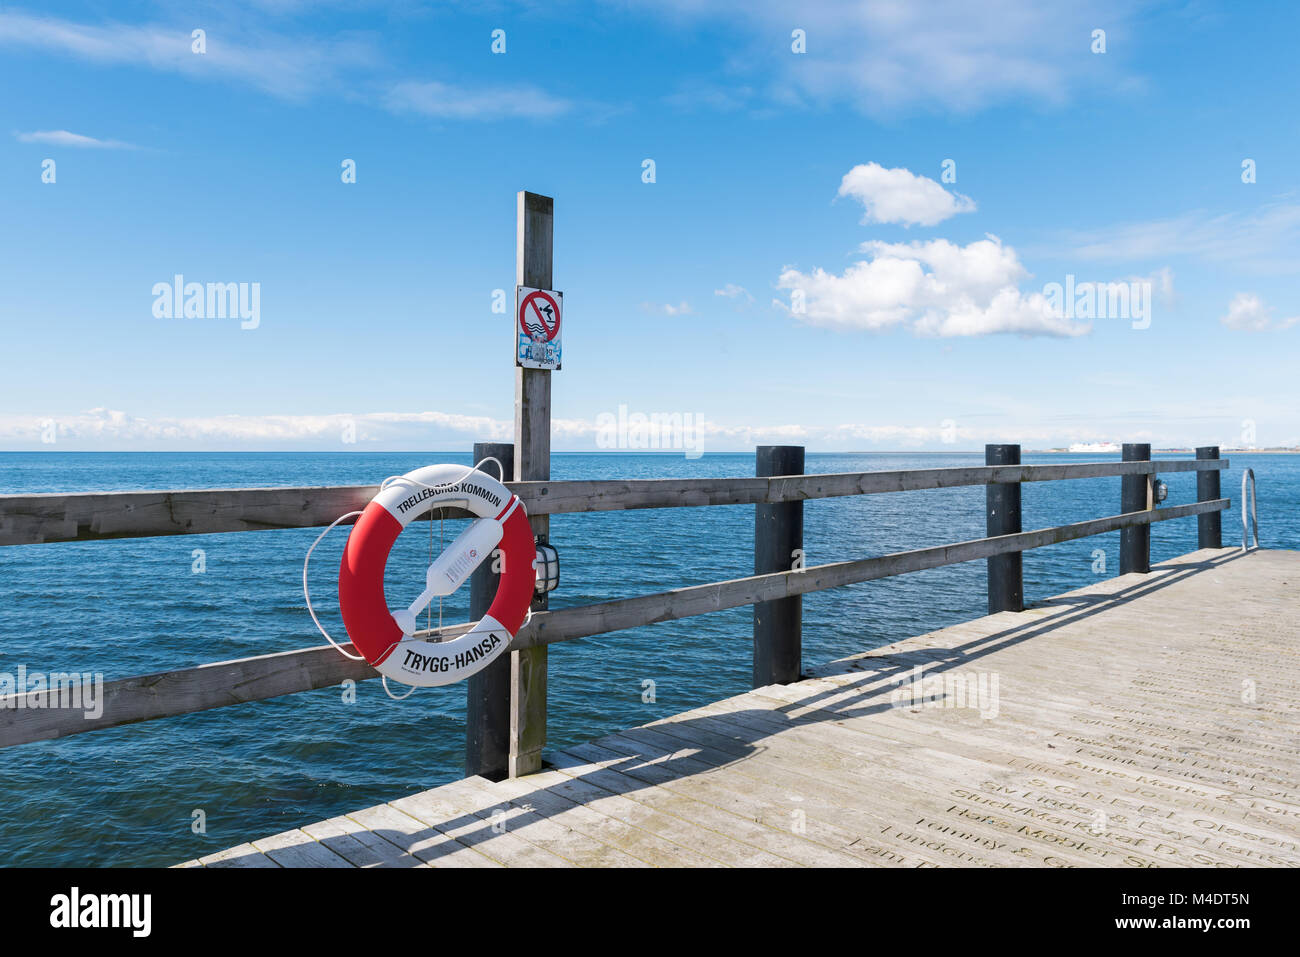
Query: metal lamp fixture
pixel 547 564
pixel 1159 491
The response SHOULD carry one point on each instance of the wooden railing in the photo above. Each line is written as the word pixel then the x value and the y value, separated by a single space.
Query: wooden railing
pixel 775 592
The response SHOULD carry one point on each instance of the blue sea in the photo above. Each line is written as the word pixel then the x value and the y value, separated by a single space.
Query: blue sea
pixel 127 796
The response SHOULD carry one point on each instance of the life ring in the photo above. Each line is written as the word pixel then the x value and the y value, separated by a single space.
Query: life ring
pixel 384 638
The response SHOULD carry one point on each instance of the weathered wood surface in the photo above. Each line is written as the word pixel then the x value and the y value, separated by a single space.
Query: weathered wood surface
pixel 1146 720
pixel 222 683
pixel 534 266
pixel 57 517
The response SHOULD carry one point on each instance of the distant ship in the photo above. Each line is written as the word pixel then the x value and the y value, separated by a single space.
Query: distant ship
pixel 1094 447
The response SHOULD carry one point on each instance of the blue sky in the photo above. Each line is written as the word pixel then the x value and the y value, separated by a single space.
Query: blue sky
pixel 819 173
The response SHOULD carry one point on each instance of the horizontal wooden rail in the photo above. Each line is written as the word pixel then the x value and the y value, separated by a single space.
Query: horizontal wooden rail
pixel 214 685
pixel 56 517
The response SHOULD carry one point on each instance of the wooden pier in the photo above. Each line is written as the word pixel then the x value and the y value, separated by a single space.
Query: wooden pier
pixel 1147 720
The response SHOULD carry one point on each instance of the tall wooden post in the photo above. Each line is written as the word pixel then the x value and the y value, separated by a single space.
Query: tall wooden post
pixel 1135 496
pixel 778 535
pixel 487 701
pixel 1209 527
pixel 533 267
pixel 1002 517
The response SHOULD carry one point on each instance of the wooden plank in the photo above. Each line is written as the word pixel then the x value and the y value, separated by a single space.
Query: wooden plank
pixel 418 839
pixel 584 620
pixel 296 849
pixel 540 792
pixel 735 814
pixel 60 517
pixel 185 690
pixel 245 855
pixel 468 819
pixel 350 840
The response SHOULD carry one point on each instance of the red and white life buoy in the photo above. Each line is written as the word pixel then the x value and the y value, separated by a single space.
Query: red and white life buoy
pixel 384 638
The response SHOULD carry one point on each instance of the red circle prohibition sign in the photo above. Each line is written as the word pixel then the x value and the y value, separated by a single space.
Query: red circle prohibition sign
pixel 539 312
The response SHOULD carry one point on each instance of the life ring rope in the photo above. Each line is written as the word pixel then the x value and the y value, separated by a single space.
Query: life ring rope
pixel 409 478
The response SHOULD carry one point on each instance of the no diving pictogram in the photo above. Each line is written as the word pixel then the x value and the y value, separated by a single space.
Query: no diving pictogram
pixel 539 316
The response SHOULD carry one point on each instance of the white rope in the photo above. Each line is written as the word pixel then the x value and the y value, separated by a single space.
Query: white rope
pixel 384 681
pixel 307 594
pixel 307 560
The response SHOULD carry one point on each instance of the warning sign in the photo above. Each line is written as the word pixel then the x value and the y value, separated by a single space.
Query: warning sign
pixel 537 329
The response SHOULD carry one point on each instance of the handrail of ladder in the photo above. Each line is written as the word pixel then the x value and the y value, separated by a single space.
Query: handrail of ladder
pixel 1254 518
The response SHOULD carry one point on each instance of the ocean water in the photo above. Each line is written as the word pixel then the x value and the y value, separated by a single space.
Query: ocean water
pixel 127 796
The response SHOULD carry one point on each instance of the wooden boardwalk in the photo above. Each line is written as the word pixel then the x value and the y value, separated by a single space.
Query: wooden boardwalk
pixel 1147 720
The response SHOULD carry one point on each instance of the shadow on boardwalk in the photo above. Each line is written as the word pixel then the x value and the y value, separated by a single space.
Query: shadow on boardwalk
pixel 699 745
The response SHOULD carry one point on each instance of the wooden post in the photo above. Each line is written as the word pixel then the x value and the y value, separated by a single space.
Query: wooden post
pixel 1209 527
pixel 533 267
pixel 1002 517
pixel 1135 496
pixel 778 534
pixel 487 701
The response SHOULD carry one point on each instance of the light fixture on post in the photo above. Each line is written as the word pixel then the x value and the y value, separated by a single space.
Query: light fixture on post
pixel 1159 491
pixel 547 564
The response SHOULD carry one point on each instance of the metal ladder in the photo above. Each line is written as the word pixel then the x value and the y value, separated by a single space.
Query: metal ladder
pixel 1249 474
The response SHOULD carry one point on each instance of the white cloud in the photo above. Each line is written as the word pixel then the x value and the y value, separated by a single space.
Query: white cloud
pixel 64 138
pixel 287 67
pixel 732 291
pixel 682 308
pixel 936 288
pixel 106 429
pixel 116 429
pixel 1266 239
pixel 883 56
pixel 445 101
pixel 900 196
pixel 1247 311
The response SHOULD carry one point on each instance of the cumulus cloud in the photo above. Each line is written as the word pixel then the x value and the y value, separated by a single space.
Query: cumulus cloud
pixel 1247 311
pixel 65 138
pixel 936 288
pixel 901 196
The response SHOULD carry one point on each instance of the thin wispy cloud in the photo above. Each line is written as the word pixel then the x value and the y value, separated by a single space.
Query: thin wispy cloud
pixel 287 67
pixel 883 57
pixel 733 291
pixel 448 101
pixel 682 308
pixel 76 140
pixel 111 429
pixel 1266 239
